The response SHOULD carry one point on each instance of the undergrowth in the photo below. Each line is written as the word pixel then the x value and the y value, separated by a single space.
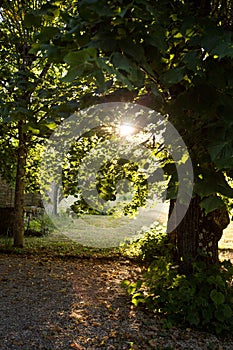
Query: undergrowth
pixel 150 244
pixel 203 300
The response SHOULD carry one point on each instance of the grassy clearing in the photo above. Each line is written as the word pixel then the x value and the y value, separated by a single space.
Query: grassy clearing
pixel 58 246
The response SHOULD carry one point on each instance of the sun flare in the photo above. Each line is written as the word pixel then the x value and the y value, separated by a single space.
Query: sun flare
pixel 126 130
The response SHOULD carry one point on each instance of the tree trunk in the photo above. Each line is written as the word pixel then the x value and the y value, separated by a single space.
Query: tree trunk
pixel 55 198
pixel 18 228
pixel 196 237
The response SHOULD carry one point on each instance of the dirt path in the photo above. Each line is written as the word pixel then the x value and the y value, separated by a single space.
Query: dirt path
pixel 55 304
pixel 226 241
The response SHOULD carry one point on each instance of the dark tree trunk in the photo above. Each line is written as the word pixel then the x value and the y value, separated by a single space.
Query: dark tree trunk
pixel 196 237
pixel 18 228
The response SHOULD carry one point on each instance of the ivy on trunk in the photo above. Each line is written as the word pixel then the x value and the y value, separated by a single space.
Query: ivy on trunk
pixel 196 237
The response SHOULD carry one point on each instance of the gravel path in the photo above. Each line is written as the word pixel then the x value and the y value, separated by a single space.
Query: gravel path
pixel 54 304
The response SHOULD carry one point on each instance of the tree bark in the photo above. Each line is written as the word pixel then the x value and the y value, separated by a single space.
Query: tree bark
pixel 196 237
pixel 18 227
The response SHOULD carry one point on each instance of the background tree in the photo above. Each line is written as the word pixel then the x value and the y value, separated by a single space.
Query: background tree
pixel 111 172
pixel 32 97
pixel 180 54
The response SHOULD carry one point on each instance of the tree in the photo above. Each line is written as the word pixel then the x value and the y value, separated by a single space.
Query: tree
pixel 31 103
pixel 180 55
pixel 110 173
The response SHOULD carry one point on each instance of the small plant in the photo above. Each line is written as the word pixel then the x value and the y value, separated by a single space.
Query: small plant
pixel 151 244
pixel 203 300
pixel 8 240
pixel 38 225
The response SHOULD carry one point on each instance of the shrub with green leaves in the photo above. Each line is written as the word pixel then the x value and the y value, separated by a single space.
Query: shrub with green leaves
pixel 38 226
pixel 152 243
pixel 202 300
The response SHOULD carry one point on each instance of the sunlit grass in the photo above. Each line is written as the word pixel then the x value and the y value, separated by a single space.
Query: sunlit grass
pixel 56 245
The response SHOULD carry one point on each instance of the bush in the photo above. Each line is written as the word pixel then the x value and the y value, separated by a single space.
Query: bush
pixel 151 244
pixel 38 226
pixel 203 300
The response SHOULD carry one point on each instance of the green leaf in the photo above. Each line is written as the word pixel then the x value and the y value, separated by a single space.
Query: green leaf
pixel 216 150
pixel 191 61
pixel 80 62
pixel 91 10
pixel 47 33
pixel 227 310
pixel 173 76
pixel 138 298
pixel 219 315
pixel 133 50
pixel 30 20
pixel 207 314
pixel 34 49
pixel 213 183
pixel 124 80
pixel 211 203
pixel 78 58
pixel 100 79
pixel 51 125
pixel 72 74
pixel 53 53
pixel 158 41
pixel 121 62
pixel 222 154
pixel 193 318
pixel 224 50
pixel 217 297
pixel 33 130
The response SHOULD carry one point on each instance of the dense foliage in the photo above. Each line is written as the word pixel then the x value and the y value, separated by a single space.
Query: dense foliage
pixel 151 244
pixel 172 56
pixel 108 177
pixel 31 106
pixel 203 300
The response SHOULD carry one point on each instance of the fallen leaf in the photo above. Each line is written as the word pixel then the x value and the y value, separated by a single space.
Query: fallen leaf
pixel 76 346
pixel 152 342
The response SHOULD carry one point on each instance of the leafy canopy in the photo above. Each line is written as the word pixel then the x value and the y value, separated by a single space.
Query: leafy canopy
pixel 179 53
pixel 32 93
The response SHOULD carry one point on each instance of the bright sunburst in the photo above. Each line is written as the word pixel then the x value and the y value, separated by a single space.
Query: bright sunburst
pixel 126 130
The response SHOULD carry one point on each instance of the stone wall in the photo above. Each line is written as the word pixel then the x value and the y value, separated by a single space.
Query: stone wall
pixel 32 201
pixel 7 197
pixel 6 221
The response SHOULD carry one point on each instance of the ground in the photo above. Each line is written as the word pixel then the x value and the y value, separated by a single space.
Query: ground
pixel 226 241
pixel 65 302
